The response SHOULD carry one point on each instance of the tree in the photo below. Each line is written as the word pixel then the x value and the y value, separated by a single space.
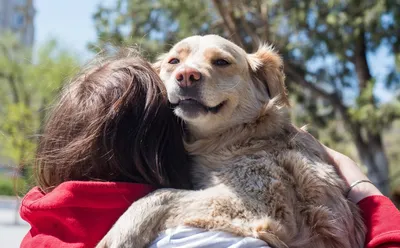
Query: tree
pixel 325 45
pixel 27 88
pixel 153 26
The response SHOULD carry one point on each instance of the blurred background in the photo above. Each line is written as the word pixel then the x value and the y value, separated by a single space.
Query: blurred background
pixel 342 61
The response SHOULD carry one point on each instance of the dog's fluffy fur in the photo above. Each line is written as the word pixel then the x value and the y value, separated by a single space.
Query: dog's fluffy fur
pixel 255 173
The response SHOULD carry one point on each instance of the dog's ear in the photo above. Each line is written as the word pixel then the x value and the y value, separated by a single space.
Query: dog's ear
pixel 267 67
pixel 157 65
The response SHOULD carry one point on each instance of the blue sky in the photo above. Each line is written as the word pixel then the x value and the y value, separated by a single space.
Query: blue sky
pixel 70 22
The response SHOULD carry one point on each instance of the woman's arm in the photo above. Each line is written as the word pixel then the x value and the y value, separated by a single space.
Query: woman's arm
pixel 381 217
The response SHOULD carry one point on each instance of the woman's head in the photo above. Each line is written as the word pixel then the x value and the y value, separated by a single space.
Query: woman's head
pixel 113 123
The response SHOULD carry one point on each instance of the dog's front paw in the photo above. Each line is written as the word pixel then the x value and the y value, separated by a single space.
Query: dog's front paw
pixel 271 231
pixel 220 224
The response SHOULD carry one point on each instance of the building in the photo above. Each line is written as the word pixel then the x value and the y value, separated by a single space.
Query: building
pixel 17 16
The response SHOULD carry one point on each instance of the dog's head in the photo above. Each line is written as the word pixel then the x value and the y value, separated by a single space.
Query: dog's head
pixel 214 84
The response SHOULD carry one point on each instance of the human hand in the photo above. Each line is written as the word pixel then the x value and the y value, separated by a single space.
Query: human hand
pixel 351 173
pixel 345 166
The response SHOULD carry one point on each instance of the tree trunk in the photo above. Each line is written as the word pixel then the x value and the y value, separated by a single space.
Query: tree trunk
pixel 372 155
pixel 370 148
pixel 381 161
pixel 360 61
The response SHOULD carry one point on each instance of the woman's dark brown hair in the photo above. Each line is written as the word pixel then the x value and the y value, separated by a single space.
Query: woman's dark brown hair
pixel 113 123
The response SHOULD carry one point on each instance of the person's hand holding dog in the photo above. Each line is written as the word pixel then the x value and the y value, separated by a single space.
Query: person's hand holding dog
pixel 360 186
pixel 352 174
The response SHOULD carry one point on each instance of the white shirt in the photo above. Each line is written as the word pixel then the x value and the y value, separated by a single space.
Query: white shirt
pixel 189 237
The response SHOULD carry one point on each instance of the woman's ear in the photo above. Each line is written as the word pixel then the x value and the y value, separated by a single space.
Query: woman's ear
pixel 157 65
pixel 267 67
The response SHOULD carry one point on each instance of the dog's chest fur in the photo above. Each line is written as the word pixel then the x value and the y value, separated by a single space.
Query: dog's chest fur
pixel 255 177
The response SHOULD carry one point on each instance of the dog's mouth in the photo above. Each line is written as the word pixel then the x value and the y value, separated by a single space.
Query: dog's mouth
pixel 192 107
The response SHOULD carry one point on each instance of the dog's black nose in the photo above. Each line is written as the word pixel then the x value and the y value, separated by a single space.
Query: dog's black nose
pixel 187 77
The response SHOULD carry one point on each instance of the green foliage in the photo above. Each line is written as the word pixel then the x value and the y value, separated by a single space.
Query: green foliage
pixel 376 119
pixel 13 186
pixel 373 118
pixel 27 87
pixel 150 25
pixel 391 140
pixel 18 126
pixel 318 37
pixel 53 66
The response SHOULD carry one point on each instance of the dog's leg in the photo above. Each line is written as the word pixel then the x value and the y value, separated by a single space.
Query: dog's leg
pixel 141 223
pixel 266 229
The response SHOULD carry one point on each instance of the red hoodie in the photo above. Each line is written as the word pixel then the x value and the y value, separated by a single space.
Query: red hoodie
pixel 79 214
pixel 76 214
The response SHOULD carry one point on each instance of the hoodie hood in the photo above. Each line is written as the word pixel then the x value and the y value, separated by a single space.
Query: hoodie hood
pixel 76 214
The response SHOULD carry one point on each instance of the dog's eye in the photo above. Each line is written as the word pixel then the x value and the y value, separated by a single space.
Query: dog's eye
pixel 221 62
pixel 174 61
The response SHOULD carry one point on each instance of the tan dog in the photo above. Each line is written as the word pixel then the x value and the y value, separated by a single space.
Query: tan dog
pixel 259 176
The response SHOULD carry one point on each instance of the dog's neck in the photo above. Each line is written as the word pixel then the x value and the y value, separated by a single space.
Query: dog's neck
pixel 272 120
